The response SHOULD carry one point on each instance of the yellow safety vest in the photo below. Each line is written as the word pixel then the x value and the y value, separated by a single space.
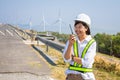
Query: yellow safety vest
pixel 76 66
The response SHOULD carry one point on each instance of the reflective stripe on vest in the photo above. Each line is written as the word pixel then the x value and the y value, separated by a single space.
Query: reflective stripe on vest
pixel 80 69
pixel 75 47
pixel 76 66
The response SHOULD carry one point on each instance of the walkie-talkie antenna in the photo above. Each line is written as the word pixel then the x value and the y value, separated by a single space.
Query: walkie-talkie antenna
pixel 71 28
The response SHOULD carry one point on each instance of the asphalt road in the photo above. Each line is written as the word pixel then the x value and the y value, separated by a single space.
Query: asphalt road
pixel 17 57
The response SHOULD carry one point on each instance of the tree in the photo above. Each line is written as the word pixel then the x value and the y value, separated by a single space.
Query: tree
pixel 116 45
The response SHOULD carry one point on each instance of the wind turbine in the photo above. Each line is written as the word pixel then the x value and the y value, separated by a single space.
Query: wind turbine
pixel 43 22
pixel 60 21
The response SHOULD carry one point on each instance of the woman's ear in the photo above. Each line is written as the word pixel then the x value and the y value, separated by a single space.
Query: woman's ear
pixel 86 28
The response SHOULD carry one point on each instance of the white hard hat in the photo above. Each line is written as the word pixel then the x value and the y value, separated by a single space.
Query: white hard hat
pixel 84 18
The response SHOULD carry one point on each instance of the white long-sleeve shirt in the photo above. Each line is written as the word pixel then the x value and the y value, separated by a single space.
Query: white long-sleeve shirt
pixel 88 59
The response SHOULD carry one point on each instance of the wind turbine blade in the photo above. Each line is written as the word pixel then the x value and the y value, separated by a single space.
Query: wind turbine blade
pixel 55 22
pixel 64 23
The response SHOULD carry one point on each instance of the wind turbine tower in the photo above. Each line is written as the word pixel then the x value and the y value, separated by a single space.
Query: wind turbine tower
pixel 44 23
pixel 30 24
pixel 60 25
pixel 60 22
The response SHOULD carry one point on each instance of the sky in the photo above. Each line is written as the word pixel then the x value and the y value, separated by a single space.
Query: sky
pixel 104 14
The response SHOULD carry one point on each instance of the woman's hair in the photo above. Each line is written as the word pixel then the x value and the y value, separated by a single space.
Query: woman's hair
pixel 84 24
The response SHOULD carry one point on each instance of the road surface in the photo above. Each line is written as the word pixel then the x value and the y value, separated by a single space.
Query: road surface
pixel 19 61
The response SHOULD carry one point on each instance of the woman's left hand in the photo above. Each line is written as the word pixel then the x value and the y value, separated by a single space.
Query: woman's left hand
pixel 77 60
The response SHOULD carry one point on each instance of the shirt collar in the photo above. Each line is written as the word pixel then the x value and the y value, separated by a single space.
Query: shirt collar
pixel 88 38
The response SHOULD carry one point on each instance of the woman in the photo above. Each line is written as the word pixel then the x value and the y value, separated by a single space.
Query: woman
pixel 80 51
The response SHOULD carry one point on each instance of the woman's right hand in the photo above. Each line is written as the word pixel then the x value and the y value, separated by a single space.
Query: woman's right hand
pixel 72 39
pixel 68 53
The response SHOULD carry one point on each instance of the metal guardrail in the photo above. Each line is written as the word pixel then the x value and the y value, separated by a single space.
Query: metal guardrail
pixel 52 44
pixel 48 37
pixel 46 41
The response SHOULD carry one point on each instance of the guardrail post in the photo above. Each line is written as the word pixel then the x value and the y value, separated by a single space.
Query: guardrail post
pixel 47 46
pixel 37 42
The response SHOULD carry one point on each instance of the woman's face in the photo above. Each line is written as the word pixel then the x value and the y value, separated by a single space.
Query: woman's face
pixel 80 29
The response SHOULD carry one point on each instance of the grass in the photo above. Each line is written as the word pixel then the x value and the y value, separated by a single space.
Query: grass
pixel 103 75
pixel 107 63
pixel 105 67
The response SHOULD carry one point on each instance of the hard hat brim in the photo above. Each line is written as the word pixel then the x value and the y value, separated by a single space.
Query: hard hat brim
pixel 82 21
